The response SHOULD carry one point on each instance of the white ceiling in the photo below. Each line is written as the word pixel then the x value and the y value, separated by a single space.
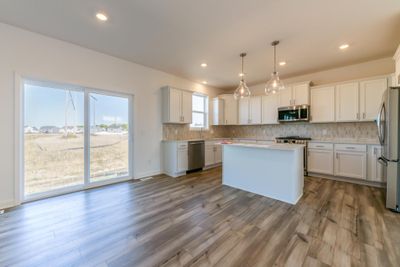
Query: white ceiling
pixel 175 36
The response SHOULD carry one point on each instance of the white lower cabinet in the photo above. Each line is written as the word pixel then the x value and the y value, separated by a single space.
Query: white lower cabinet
pixel 375 169
pixel 175 156
pixel 213 153
pixel 320 158
pixel 351 161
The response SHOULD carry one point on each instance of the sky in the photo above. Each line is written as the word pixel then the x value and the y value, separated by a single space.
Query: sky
pixel 46 106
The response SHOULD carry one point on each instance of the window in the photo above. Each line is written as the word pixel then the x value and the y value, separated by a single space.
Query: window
pixel 199 111
pixel 73 137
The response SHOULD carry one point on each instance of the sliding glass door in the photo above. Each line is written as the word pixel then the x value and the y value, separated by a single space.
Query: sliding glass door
pixel 109 142
pixel 73 138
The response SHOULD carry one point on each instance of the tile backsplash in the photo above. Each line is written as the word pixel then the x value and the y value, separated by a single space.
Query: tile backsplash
pixel 320 131
pixel 183 132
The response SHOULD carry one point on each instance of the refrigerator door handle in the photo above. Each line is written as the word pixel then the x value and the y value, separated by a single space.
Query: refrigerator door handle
pixel 383 161
pixel 381 133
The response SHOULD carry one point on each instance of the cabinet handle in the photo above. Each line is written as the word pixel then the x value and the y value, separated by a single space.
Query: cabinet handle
pixel 374 150
pixel 358 116
pixel 337 156
pixel 364 115
pixel 319 146
pixel 350 147
pixel 294 101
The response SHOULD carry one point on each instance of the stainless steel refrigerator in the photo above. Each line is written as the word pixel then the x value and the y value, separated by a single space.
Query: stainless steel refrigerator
pixel 388 132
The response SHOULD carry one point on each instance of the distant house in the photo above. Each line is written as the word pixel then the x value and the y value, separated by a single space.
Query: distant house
pixel 49 129
pixel 30 130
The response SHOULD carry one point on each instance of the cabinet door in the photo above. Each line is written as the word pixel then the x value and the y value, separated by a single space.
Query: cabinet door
pixel 375 169
pixel 186 107
pixel 285 97
pixel 320 161
pixel 209 158
pixel 255 110
pixel 350 164
pixel 182 162
pixel 175 104
pixel 244 111
pixel 371 93
pixel 301 94
pixel 323 104
pixel 218 153
pixel 347 102
pixel 231 110
pixel 218 111
pixel 270 105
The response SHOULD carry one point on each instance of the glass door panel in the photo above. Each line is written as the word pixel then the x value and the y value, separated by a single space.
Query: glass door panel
pixel 109 142
pixel 53 138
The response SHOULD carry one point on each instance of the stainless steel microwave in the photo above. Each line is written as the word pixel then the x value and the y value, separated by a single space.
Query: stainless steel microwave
pixel 294 113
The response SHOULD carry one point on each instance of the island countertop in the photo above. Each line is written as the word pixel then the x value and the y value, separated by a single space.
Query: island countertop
pixel 272 147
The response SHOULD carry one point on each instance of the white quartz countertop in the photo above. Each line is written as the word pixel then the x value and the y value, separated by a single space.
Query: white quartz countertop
pixel 347 141
pixel 271 147
pixel 362 141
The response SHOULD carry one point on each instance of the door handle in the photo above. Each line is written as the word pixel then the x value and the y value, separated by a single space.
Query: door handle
pixel 382 161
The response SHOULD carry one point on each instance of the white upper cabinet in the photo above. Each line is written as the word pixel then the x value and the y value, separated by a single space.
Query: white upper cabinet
pixel 187 107
pixel 270 105
pixel 250 110
pixel 371 93
pixel 177 105
pixel 297 94
pixel 225 110
pixel 323 104
pixel 244 111
pixel 285 97
pixel 218 111
pixel 347 102
pixel 301 94
pixel 255 109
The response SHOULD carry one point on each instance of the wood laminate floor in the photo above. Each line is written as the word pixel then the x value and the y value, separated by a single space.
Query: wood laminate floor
pixel 196 221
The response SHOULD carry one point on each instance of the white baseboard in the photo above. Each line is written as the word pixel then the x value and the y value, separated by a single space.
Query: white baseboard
pixel 346 179
pixel 147 174
pixel 7 204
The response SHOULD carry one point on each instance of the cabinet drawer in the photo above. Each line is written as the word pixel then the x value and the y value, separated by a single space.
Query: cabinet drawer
pixel 183 146
pixel 321 146
pixel 351 147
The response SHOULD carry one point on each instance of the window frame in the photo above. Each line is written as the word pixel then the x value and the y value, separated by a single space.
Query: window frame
pixel 205 113
pixel 20 82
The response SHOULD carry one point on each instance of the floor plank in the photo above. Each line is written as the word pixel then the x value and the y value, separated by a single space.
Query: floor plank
pixel 196 221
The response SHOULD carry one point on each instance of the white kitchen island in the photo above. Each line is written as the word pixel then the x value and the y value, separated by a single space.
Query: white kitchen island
pixel 274 171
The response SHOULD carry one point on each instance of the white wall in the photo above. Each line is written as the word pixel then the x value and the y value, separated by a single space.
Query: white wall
pixel 44 58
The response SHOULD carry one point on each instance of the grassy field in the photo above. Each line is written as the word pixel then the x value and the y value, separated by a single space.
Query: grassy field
pixel 53 161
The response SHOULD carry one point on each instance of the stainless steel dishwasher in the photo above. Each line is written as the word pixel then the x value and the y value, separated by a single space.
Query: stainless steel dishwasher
pixel 196 155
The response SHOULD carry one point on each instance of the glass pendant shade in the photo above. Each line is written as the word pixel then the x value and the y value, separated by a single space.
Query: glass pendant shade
pixel 242 91
pixel 274 84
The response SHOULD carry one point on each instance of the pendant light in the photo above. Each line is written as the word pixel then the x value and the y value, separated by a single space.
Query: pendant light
pixel 274 84
pixel 242 91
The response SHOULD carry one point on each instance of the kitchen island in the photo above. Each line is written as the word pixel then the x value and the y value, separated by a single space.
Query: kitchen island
pixel 274 171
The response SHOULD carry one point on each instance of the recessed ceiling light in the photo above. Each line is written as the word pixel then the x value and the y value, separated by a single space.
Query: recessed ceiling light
pixel 204 82
pixel 203 65
pixel 101 16
pixel 282 63
pixel 343 46
pixel 241 74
